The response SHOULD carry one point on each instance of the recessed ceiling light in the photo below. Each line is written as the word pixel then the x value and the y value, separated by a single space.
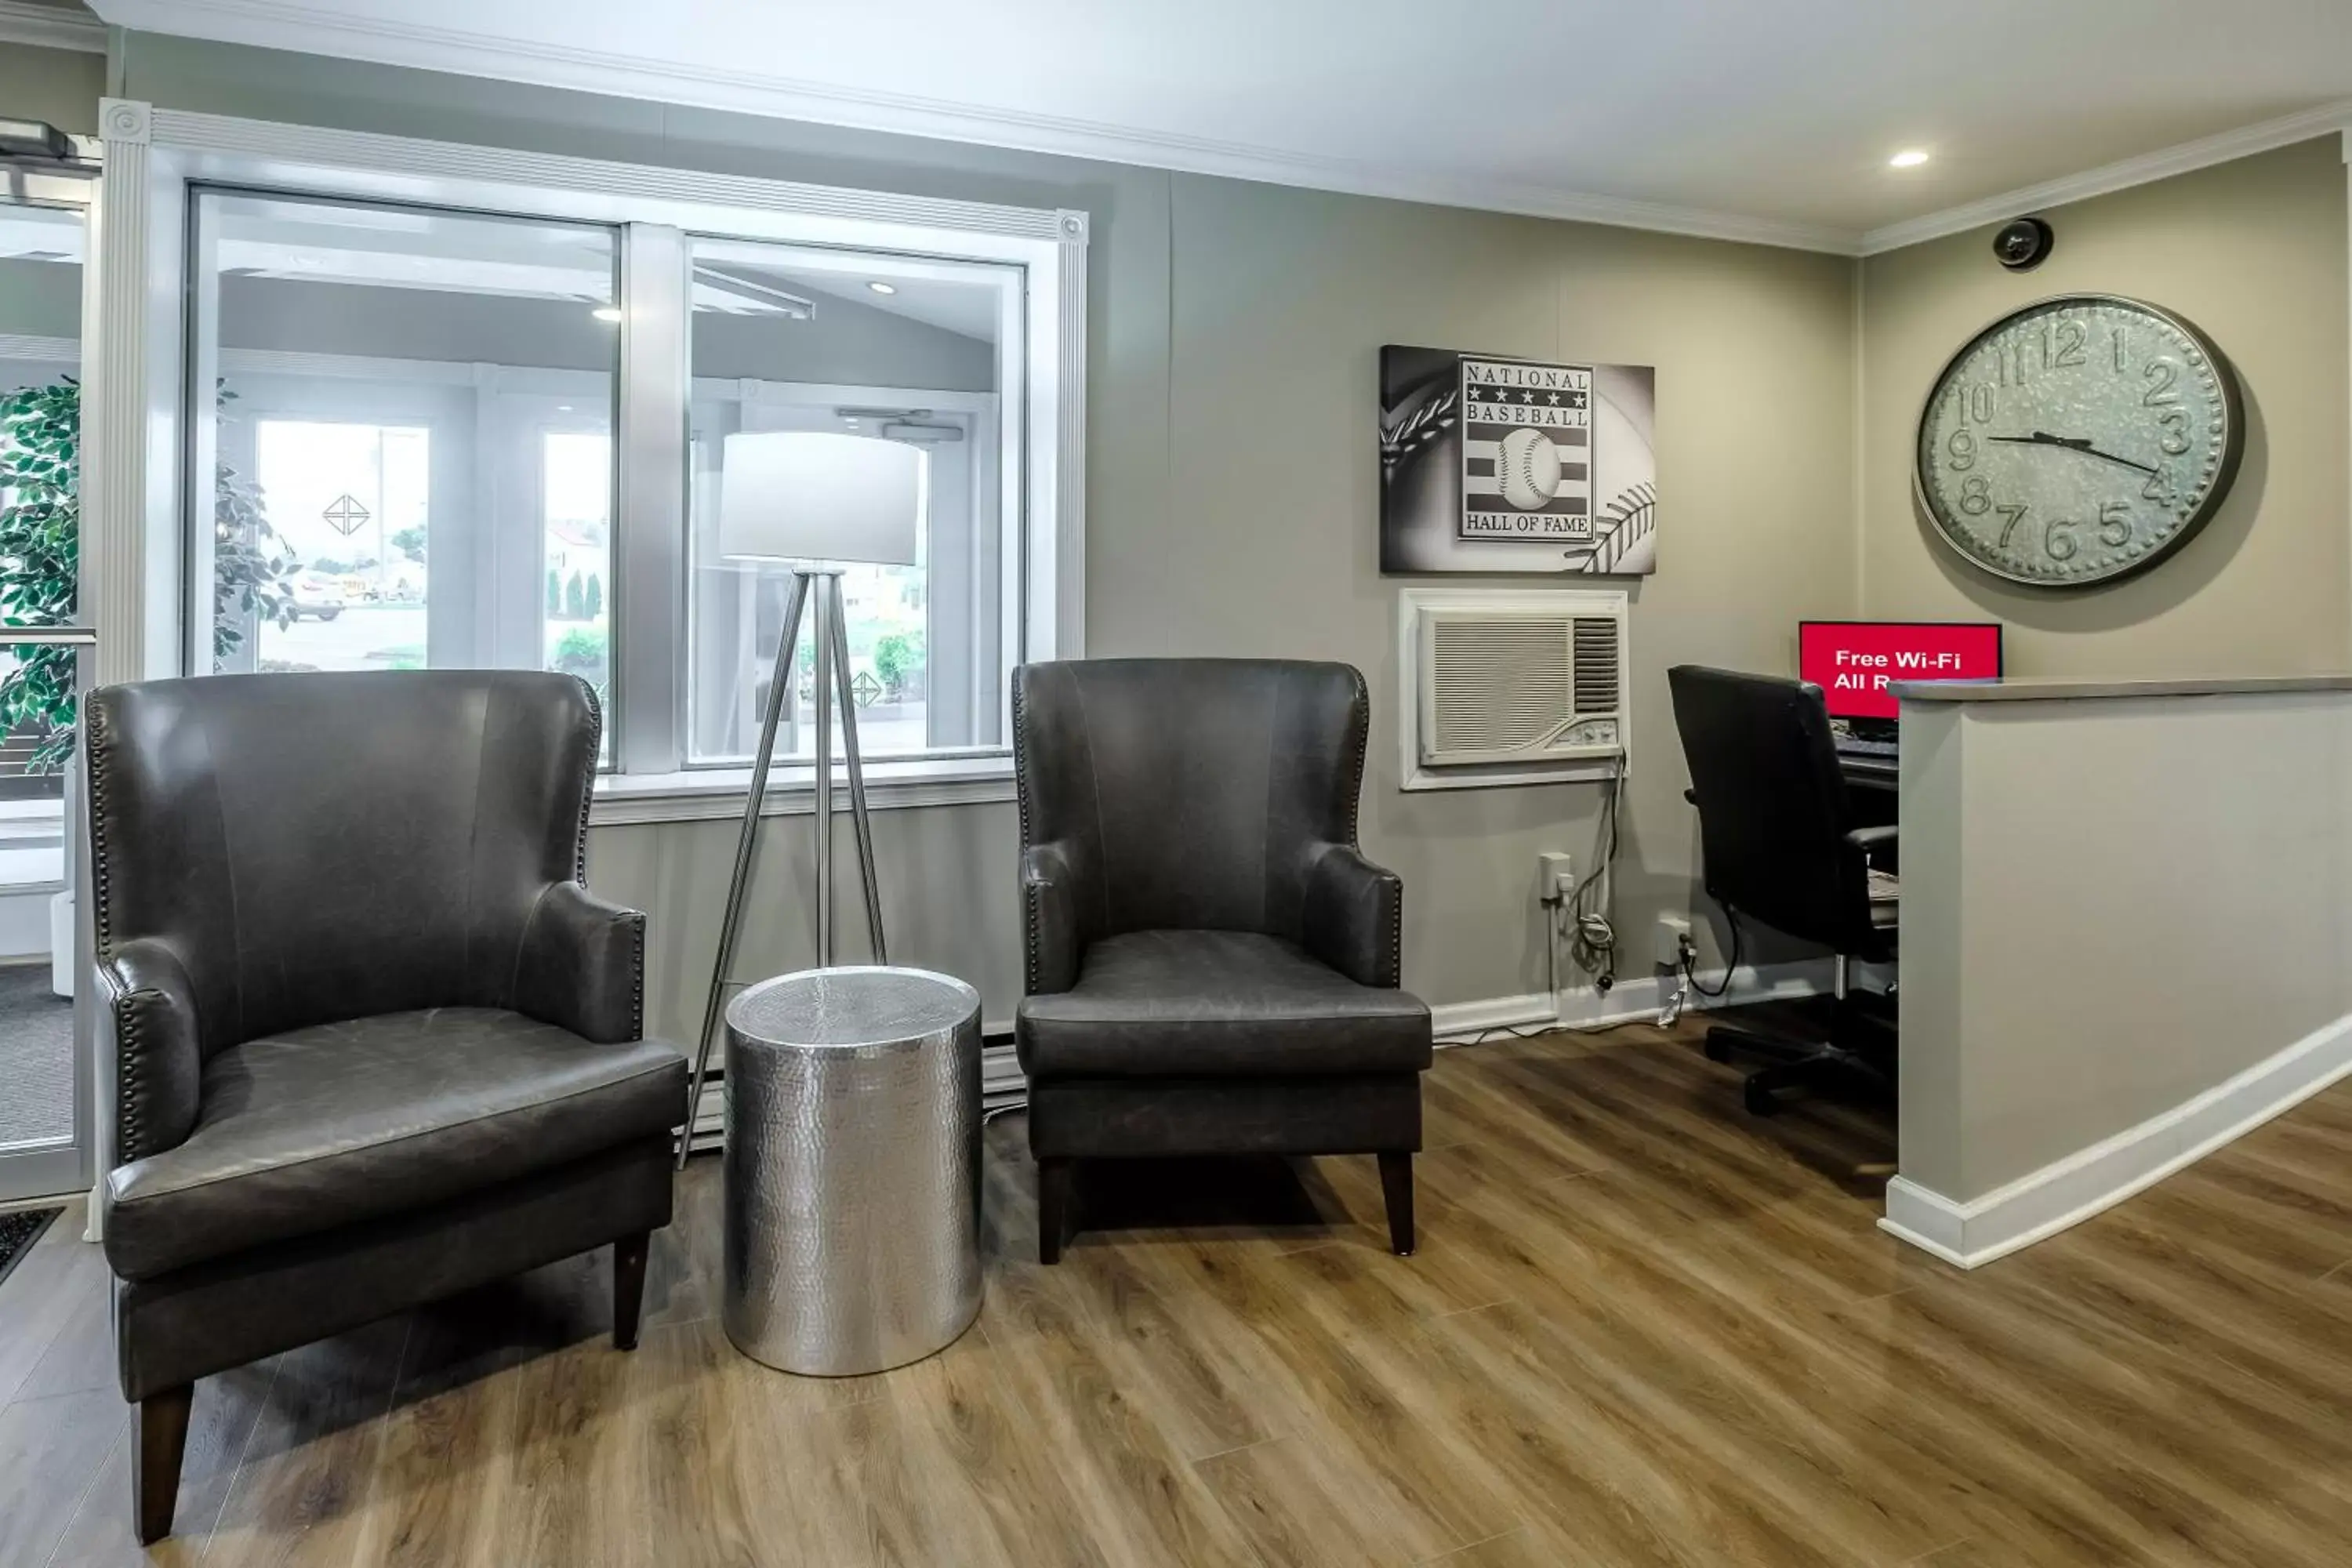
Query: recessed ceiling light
pixel 607 313
pixel 884 288
pixel 1909 158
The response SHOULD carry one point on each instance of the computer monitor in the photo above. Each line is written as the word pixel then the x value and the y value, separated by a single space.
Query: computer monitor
pixel 1853 662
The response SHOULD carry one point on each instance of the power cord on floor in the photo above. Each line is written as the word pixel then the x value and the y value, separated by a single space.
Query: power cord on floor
pixel 1731 917
pixel 1591 939
pixel 1687 974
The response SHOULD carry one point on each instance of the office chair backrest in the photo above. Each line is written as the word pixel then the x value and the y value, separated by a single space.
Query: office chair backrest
pixel 1772 809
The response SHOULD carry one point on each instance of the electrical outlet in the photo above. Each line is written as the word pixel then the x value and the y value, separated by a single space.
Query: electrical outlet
pixel 1674 936
pixel 1555 878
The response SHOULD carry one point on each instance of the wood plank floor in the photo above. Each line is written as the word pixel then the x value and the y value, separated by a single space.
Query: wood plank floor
pixel 1641 1328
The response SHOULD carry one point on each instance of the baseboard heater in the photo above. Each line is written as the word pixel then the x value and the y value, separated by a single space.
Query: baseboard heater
pixel 1002 1086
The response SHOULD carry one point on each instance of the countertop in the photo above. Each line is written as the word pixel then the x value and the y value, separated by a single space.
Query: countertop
pixel 2055 690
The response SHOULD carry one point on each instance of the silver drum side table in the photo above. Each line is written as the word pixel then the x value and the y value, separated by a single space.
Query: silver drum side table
pixel 852 1168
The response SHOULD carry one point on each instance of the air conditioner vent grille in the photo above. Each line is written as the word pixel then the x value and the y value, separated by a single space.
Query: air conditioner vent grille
pixel 1504 686
pixel 1596 664
pixel 1500 684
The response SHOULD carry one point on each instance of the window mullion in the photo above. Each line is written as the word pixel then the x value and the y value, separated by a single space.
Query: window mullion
pixel 649 533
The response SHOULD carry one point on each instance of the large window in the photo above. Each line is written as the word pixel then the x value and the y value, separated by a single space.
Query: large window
pixel 493 432
pixel 411 421
pixel 892 349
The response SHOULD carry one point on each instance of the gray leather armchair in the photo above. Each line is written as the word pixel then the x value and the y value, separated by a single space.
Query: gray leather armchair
pixel 1213 963
pixel 373 1042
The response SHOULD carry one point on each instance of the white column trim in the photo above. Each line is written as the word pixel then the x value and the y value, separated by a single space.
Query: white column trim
pixel 115 444
pixel 1070 596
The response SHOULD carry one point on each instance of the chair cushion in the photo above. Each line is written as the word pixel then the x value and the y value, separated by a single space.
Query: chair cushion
pixel 325 1126
pixel 1195 1003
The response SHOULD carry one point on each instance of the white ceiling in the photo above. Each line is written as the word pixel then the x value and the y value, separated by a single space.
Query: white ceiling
pixel 1773 118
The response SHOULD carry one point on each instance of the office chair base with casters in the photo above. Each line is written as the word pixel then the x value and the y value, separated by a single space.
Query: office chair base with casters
pixel 1857 1060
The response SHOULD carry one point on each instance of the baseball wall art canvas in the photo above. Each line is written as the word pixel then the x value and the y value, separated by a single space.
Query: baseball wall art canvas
pixel 1495 464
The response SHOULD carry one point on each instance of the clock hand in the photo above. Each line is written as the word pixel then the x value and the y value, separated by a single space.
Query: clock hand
pixel 2071 443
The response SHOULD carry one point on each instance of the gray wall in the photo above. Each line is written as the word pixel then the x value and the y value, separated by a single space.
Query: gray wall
pixel 2252 251
pixel 60 86
pixel 1234 331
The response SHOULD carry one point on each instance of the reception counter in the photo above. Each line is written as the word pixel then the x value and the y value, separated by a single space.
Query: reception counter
pixel 2125 914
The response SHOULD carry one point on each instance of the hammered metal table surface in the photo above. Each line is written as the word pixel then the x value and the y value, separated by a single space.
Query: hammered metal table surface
pixel 852 1168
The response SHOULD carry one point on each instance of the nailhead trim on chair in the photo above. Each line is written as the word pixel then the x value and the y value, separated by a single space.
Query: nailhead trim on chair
pixel 580 857
pixel 129 1088
pixel 588 784
pixel 1021 796
pixel 637 980
pixel 1361 726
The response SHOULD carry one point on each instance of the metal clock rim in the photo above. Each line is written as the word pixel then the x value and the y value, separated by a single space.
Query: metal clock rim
pixel 2233 447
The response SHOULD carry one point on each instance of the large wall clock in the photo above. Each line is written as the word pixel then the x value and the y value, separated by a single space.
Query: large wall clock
pixel 2079 440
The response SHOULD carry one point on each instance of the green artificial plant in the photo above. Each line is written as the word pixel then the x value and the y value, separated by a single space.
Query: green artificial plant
pixel 40 529
pixel 40 552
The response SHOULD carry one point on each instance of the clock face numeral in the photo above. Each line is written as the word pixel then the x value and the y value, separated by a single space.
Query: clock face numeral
pixel 2071 335
pixel 2175 425
pixel 2077 440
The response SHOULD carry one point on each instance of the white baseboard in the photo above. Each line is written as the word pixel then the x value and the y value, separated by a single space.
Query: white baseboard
pixel 2071 1190
pixel 1585 1007
pixel 1454 1023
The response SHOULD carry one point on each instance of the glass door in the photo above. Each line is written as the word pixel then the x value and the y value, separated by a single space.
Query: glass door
pixel 46 1087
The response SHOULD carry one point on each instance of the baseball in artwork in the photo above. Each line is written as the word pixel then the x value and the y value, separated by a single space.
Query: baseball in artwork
pixel 1494 464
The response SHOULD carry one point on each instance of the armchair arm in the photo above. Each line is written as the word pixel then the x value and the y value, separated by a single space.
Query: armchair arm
pixel 1049 910
pixel 1354 918
pixel 583 965
pixel 148 1023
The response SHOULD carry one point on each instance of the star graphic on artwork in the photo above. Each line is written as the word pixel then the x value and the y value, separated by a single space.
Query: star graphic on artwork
pixel 1555 397
pixel 1527 398
pixel 1576 400
pixel 1474 395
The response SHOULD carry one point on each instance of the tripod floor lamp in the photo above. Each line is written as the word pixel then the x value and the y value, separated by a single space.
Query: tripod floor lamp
pixel 817 500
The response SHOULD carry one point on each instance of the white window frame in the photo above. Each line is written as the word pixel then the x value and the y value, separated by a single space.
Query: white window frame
pixel 133 501
pixel 979 412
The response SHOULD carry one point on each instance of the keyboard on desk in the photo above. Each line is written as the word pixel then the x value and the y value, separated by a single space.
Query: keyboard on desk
pixel 1855 746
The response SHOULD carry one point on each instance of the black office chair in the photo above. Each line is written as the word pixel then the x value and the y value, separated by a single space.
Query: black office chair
pixel 1781 845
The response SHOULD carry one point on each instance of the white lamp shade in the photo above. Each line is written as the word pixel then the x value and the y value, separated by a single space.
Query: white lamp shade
pixel 806 495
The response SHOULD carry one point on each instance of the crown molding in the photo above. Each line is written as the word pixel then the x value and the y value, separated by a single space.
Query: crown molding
pixel 271 24
pixel 276 24
pixel 2163 163
pixel 51 27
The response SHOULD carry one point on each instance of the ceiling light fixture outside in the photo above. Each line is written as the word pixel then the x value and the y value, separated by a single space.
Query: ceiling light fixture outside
pixel 1909 158
pixel 883 287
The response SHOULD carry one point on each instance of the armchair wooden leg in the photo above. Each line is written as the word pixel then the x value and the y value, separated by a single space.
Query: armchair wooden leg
pixel 163 1438
pixel 628 1288
pixel 1054 1182
pixel 1396 1188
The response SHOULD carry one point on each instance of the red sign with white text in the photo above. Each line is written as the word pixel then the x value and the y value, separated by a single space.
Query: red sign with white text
pixel 1853 662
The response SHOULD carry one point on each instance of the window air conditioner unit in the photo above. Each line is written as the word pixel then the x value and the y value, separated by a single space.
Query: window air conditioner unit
pixel 1513 687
